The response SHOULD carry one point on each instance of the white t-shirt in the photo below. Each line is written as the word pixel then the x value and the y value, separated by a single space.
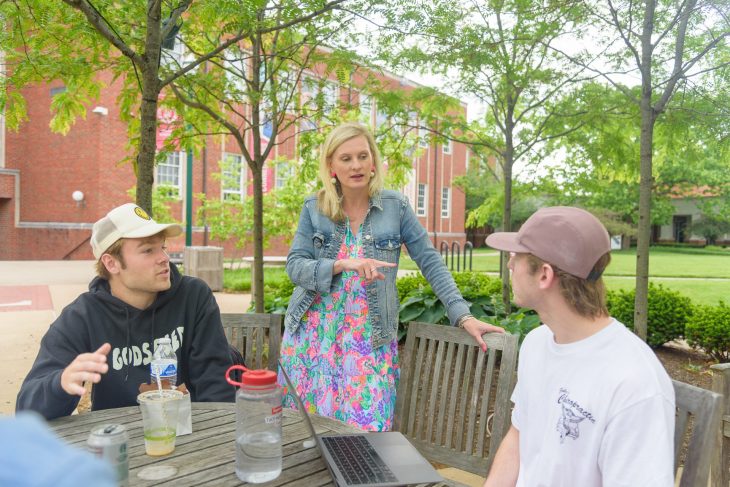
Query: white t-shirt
pixel 594 413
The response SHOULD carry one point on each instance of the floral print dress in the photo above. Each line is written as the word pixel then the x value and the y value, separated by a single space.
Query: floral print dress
pixel 330 358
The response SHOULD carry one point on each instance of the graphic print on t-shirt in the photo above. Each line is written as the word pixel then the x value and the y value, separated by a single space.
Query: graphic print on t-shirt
pixel 571 415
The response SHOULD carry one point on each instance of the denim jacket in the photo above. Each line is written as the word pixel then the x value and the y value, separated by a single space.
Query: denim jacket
pixel 390 222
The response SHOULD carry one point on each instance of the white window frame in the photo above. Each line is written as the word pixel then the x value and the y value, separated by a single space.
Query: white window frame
pixel 282 172
pixel 239 65
pixel 285 92
pixel 409 188
pixel 423 135
pixel 228 174
pixel 331 94
pixel 445 202
pixel 177 57
pixel 175 172
pixel 311 89
pixel 366 109
pixel 447 147
pixel 421 199
pixel 381 118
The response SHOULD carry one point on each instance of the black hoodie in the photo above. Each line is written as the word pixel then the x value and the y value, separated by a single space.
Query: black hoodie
pixel 187 313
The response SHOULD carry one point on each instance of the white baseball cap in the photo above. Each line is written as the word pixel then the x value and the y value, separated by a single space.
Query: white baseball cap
pixel 127 221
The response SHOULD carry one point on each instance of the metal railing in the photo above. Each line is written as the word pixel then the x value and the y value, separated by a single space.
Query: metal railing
pixel 456 254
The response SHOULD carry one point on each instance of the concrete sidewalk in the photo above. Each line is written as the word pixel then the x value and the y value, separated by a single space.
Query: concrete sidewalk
pixel 32 295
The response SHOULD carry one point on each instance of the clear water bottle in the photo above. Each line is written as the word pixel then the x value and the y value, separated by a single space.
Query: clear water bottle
pixel 258 425
pixel 164 362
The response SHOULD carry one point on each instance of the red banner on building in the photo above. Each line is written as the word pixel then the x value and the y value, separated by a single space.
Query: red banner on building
pixel 166 121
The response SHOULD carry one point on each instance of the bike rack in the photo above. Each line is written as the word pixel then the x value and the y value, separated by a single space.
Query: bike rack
pixel 444 252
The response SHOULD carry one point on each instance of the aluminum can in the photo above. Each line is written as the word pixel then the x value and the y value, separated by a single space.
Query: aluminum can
pixel 109 442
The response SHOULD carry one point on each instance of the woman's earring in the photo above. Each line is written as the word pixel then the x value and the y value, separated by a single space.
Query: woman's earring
pixel 372 173
pixel 334 178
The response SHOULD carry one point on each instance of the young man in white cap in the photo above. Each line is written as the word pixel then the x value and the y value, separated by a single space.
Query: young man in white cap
pixel 106 336
pixel 593 406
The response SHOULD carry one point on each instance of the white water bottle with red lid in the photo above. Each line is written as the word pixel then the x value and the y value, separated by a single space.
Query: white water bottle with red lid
pixel 258 425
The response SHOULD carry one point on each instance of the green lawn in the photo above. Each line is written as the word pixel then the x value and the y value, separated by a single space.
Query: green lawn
pixel 701 274
pixel 239 280
pixel 708 270
pixel 700 291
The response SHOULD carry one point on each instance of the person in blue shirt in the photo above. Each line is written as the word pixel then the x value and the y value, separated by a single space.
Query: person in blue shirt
pixel 32 455
pixel 340 345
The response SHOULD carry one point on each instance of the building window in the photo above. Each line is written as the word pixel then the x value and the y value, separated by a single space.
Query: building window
pixel 236 70
pixel 445 202
pixel 232 177
pixel 284 171
pixel 329 94
pixel 409 188
pixel 447 146
pixel 168 174
pixel 278 85
pixel 381 118
pixel 423 136
pixel 177 57
pixel 366 109
pixel 316 94
pixel 422 199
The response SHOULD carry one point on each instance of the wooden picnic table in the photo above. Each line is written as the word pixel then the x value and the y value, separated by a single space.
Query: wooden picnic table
pixel 206 457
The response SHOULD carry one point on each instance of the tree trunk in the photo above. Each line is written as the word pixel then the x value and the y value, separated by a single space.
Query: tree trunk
pixel 506 226
pixel 148 111
pixel 147 142
pixel 646 183
pixel 257 278
pixel 646 179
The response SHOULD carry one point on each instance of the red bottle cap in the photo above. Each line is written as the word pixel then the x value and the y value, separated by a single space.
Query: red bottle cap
pixel 255 378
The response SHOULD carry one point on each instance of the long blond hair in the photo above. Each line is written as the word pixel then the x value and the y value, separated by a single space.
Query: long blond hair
pixel 329 198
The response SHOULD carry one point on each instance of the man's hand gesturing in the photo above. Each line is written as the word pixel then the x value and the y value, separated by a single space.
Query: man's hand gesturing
pixel 85 367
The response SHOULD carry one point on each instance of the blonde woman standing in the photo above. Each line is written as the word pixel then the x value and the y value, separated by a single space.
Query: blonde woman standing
pixel 340 346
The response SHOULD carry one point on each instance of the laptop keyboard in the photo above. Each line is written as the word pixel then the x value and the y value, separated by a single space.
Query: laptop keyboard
pixel 357 460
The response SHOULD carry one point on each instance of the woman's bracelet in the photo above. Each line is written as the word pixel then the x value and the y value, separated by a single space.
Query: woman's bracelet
pixel 460 322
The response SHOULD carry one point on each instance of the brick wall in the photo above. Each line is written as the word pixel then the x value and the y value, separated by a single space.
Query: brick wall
pixel 89 159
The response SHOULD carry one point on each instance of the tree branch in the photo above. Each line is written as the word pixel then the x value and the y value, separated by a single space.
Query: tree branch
pixel 104 28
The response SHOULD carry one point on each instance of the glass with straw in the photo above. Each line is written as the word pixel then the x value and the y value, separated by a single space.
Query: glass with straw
pixel 159 419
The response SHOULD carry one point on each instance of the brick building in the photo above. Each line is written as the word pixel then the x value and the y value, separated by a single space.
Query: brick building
pixel 44 175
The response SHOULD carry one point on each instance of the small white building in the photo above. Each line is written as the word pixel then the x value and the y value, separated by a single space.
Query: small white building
pixel 686 212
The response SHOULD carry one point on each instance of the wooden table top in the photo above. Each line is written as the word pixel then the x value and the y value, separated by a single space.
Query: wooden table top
pixel 207 456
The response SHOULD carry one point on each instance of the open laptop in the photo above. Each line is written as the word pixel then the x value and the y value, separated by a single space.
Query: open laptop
pixel 368 459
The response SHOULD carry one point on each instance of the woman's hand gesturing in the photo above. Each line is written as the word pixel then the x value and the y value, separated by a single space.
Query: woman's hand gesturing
pixel 367 269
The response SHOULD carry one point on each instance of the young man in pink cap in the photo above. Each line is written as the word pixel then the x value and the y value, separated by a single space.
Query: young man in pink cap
pixel 592 406
pixel 106 336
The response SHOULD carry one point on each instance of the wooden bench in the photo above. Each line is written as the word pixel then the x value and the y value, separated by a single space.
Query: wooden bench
pixel 703 409
pixel 256 335
pixel 453 400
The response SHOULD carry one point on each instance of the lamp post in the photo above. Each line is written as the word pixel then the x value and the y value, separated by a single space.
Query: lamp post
pixel 189 199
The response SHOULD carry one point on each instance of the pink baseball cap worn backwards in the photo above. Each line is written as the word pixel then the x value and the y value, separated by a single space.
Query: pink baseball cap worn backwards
pixel 127 221
pixel 569 238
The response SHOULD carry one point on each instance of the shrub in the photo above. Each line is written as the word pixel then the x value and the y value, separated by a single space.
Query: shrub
pixel 476 284
pixel 491 309
pixel 419 303
pixel 709 329
pixel 471 284
pixel 276 295
pixel 667 314
pixel 409 284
